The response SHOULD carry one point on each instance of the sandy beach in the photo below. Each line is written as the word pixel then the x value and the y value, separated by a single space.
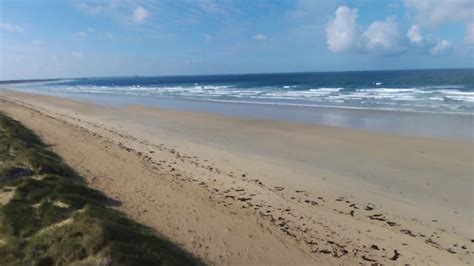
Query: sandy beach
pixel 238 191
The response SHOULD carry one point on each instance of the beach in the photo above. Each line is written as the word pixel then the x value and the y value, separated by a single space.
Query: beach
pixel 243 191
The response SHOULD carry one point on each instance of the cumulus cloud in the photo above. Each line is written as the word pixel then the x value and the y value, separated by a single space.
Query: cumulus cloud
pixel 342 32
pixel 414 35
pixel 441 47
pixel 10 27
pixel 77 55
pixel 140 14
pixel 382 36
pixel 431 13
pixel 260 37
pixel 434 12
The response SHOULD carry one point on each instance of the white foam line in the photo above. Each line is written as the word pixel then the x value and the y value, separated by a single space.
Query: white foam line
pixel 330 95
pixel 327 106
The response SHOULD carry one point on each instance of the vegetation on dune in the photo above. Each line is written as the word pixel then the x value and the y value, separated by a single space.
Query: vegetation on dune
pixel 53 218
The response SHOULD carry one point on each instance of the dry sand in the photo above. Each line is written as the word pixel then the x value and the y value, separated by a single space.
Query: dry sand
pixel 236 191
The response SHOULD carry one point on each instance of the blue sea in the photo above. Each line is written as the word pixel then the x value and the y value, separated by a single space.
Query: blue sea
pixel 436 91
pixel 427 103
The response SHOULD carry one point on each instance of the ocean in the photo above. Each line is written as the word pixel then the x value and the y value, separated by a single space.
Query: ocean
pixel 427 103
pixel 434 91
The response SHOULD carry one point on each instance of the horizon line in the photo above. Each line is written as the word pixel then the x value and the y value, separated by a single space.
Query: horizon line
pixel 229 74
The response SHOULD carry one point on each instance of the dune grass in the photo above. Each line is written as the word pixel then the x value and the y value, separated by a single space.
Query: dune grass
pixel 53 218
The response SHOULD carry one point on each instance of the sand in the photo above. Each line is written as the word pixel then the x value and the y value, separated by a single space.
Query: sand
pixel 240 191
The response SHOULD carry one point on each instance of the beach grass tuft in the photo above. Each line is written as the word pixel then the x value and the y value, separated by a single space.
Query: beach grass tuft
pixel 53 218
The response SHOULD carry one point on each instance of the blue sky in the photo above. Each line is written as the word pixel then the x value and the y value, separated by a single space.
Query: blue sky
pixel 47 39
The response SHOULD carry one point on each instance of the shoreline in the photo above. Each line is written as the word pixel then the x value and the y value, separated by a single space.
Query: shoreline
pixel 79 96
pixel 452 126
pixel 339 180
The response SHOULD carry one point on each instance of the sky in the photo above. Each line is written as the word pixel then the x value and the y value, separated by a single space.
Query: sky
pixel 70 38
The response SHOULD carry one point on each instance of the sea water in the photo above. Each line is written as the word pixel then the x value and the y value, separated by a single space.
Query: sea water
pixel 378 100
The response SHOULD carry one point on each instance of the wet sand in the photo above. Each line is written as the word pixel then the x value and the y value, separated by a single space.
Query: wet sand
pixel 422 124
pixel 248 191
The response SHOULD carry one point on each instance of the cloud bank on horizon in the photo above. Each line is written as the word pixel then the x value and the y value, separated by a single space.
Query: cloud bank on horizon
pixel 164 37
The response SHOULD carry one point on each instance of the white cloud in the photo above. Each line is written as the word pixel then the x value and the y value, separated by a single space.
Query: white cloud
pixel 77 55
pixel 382 36
pixel 260 37
pixel 140 14
pixel 342 32
pixel 414 35
pixel 441 47
pixel 469 36
pixel 434 12
pixel 10 27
